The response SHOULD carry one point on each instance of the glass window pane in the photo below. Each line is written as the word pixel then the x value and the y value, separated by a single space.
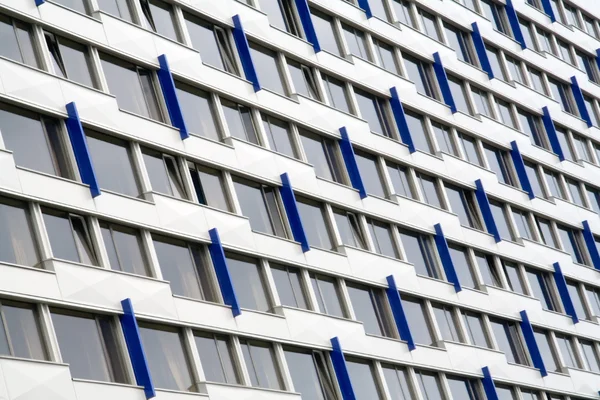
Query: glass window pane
pixel 498 165
pixel 430 385
pixel 458 95
pixel 124 248
pixel 161 17
pixel 462 388
pixel 513 277
pixel 60 233
pixel 372 109
pixel 197 109
pixel 400 180
pixel 402 11
pixel 323 24
pixel 419 325
pixel 470 150
pixel 362 376
pixel 315 225
pixel 279 135
pixel 417 251
pixel 216 358
pixel 429 25
pixel 522 224
pixel 485 262
pixel 260 362
pixel 500 218
pixel 369 172
pixel 247 282
pixel 590 355
pixel 349 229
pixel 365 309
pixel 475 330
pixel 239 121
pixel 381 234
pixel 252 200
pixel 417 131
pixel 460 260
pixel 336 93
pixel 429 190
pixel 576 298
pixel 267 68
pixel 356 41
pixel 386 56
pixel 118 8
pixel 209 186
pixel 494 60
pixel 327 294
pixel 461 203
pixel 542 340
pixel 23 330
pixel 446 323
pixel 303 80
pixel 305 375
pixel 288 282
pixel 76 60
pixel 17 243
pixel 322 154
pixel 397 383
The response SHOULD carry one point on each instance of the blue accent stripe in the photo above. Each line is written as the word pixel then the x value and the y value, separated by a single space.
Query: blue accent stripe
pixel 135 348
pixel 481 52
pixel 39 2
pixel 548 10
pixel 80 149
pixel 590 242
pixel 341 370
pixel 486 211
pixel 241 42
pixel 217 254
pixel 364 4
pixel 488 385
pixel 400 117
pixel 513 19
pixel 170 95
pixel 444 252
pixel 534 350
pixel 551 132
pixel 563 291
pixel 351 165
pixel 520 169
pixel 598 57
pixel 307 24
pixel 578 95
pixel 442 78
pixel 398 312
pixel 293 215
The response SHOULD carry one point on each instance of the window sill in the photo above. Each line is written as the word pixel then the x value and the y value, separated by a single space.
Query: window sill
pixel 271 236
pixel 372 253
pixel 143 117
pixel 282 95
pixel 102 12
pixel 47 362
pixel 128 385
pixel 341 184
pixel 473 346
pixel 244 387
pixel 323 314
pixel 126 196
pixel 28 267
pixel 46 174
pixel 191 203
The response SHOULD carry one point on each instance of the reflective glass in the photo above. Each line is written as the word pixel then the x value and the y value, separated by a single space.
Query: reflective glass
pixel 475 330
pixel 369 172
pixel 267 68
pixel 124 248
pixel 397 383
pixel 381 234
pixel 362 376
pixel 417 251
pixel 349 228
pixel 315 226
pixel 216 358
pixel 460 260
pixel 336 93
pixel 17 243
pixel 327 294
pixel 400 180
pixel 415 314
pixel 279 135
pixel 430 385
pixel 197 109
pixel 22 326
pixel 288 282
pixel 247 282
pixel 323 24
pixel 260 362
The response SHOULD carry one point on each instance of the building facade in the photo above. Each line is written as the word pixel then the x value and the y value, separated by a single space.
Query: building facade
pixel 299 199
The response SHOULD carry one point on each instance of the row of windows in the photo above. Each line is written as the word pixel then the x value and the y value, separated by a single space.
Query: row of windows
pixel 572 16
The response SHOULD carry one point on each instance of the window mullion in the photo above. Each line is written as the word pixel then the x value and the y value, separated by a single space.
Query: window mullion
pixel 345 300
pixel 148 246
pixel 40 48
pixel 139 169
pixel 39 231
pixel 445 387
pixel 282 367
pixel 271 289
pixel 122 348
pixel 98 239
pixel 48 333
pixel 196 370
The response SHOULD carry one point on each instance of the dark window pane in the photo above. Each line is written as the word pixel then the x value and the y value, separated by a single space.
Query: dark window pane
pixel 475 330
pixel 372 109
pixel 216 358
pixel 239 121
pixel 196 106
pixel 336 93
pixel 362 376
pixel 248 282
pixel 164 173
pixel 429 190
pixel 209 186
pixel 314 222
pixel 367 304
pixel 513 277
pixel 325 32
pixel 279 135
pixel 419 325
pixel 322 154
pixel 288 282
pixel 382 237
pixel 124 248
pixel 303 79
pixel 349 229
pixel 417 131
pixel 430 385
pixel 306 376
pixel 17 243
pixel 69 237
pixel 23 330
pixel 267 68
pixel 260 362
pixel 369 172
pixel 418 251
pixel 327 294
pixel 400 180
pixel 460 260
pixel 254 200
pixel 446 323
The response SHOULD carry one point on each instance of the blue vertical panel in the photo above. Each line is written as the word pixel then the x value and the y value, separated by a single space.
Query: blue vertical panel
pixel 520 169
pixel 364 4
pixel 80 149
pixel 39 2
pixel 341 370
pixel 241 42
pixel 136 349
pixel 444 252
pixel 513 19
pixel 590 242
pixel 307 24
pixel 442 78
pixel 486 211
pixel 291 209
pixel 398 312
pixel 598 57
pixel 400 117
pixel 217 254
pixel 488 384
pixel 534 350
pixel 551 132
pixel 563 291
pixel 351 165
pixel 579 100
pixel 548 10
pixel 170 95
pixel 484 60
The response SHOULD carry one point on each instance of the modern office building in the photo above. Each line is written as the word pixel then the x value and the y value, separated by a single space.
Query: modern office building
pixel 299 199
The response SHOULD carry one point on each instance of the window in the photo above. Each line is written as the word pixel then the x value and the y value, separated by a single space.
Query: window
pixel 513 277
pixel 548 355
pixel 470 150
pixel 544 40
pixel 17 243
pixel 362 376
pixel 239 121
pixel 403 13
pixel 323 154
pixel 77 5
pixel 459 40
pixel 497 162
pixel 463 204
pixel 561 93
pixel 304 80
pixel 528 32
pixel 505 113
pixel 35 141
pixel 213 43
pixel 370 308
pixel 71 60
pixel 417 130
pixel 248 282
pixel 281 15
pixel 590 26
pixel 545 230
pixel 580 144
pixel 385 54
pixel 565 51
pixel 421 74
pixel 20 333
pixel 185 267
pixel 571 14
pixel 314 219
pixel 501 220
pixel 288 282
pixel 488 270
pixel 418 251
pixel 166 357
pixel 429 383
pixel 577 298
pixel 568 351
pixel 124 248
pixel 89 345
pixel 554 184
pixel 446 322
pixel 495 62
pixel 571 243
pixel 310 374
pixel 216 358
pixel 164 173
pixel 259 203
pixel 444 138
pixel 17 41
pixel 328 295
pixel 381 235
pixel 336 93
pixel 378 9
pixel 565 144
pixel 368 167
pixel 373 109
pixel 482 102
pixel 118 8
pixel 542 288
pixel 496 14
pixel 534 178
pixel 429 189
pixel 593 197
pixel 515 70
pixel 357 44
pixel 160 18
pixel 475 330
pixel 429 25
pixel 463 388
pixel 69 237
pixel 462 264
pixel 267 68
pixel 586 63
pixel 349 228
pixel 198 111
pixel 532 126
pixel 113 163
pixel 508 393
pixel 396 379
pixel 133 87
pixel 575 191
pixel 590 355
pixel 209 186
pixel 592 110
pixel 325 30
pixel 522 225
pixel 458 94
pixel 401 180
pixel 537 81
pixel 508 338
pixel 261 365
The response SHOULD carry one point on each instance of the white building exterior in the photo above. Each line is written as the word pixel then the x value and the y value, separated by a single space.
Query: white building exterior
pixel 337 150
